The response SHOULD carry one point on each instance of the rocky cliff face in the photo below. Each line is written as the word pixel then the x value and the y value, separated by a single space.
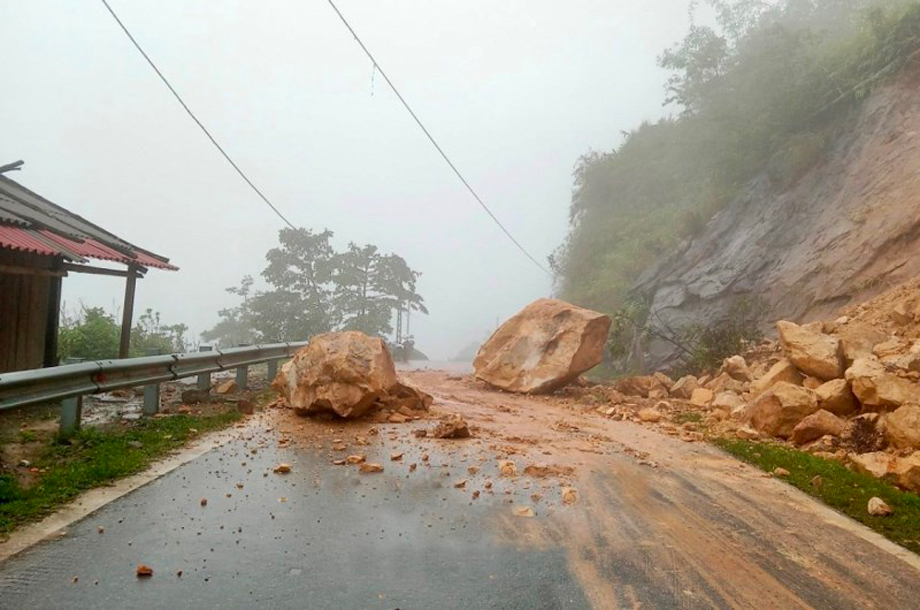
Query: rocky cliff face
pixel 847 230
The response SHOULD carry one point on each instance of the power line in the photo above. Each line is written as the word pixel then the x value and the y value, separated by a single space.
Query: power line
pixel 195 118
pixel 433 141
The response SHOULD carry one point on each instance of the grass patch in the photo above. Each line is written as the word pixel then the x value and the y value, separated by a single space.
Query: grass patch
pixel 841 488
pixel 687 416
pixel 98 456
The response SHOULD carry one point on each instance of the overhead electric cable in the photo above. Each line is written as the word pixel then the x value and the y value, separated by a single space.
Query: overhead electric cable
pixel 433 141
pixel 195 118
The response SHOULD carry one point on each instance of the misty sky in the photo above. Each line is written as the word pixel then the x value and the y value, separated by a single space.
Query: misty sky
pixel 515 91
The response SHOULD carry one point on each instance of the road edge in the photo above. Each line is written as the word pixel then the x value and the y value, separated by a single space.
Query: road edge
pixel 55 524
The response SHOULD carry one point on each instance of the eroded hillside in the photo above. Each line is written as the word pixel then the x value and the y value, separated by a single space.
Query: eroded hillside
pixel 847 230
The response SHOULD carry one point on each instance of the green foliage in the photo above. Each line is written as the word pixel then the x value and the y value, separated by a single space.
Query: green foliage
pixel 370 286
pixel 149 335
pixel 687 416
pixel 94 457
pixel 9 489
pixel 316 289
pixel 94 334
pixel 705 347
pixel 842 489
pixel 700 347
pixel 798 155
pixel 765 89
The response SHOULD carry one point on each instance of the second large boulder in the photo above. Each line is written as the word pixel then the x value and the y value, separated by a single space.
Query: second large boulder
pixel 544 347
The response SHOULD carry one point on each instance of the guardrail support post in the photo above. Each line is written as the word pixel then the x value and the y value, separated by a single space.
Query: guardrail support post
pixel 151 399
pixel 242 377
pixel 151 404
pixel 272 370
pixel 204 380
pixel 71 410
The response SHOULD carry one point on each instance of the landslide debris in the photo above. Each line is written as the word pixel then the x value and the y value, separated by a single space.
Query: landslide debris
pixel 348 374
pixel 452 427
pixel 847 389
pixel 542 348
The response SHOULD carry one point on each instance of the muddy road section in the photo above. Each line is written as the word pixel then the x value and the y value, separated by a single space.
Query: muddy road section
pixel 547 505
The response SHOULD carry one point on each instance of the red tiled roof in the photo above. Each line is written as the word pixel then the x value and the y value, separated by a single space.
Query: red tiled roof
pixel 50 244
pixel 93 249
pixel 25 241
pixel 31 223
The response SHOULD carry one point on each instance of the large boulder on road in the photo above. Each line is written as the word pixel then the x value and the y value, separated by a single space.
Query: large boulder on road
pixel 346 373
pixel 545 346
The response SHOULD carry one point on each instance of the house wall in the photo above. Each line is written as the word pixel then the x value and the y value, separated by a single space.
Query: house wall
pixel 24 310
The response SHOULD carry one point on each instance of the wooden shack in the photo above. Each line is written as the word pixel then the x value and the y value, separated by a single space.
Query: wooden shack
pixel 40 244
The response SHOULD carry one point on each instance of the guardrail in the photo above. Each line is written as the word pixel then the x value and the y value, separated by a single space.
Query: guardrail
pixel 71 382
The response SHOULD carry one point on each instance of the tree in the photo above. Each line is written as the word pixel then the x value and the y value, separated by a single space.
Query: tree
pixel 301 271
pixel 150 335
pixel 315 290
pixel 92 335
pixel 761 94
pixel 235 325
pixel 697 63
pixel 370 286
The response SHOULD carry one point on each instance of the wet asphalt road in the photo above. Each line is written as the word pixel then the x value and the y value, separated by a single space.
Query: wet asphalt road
pixel 322 536
pixel 699 530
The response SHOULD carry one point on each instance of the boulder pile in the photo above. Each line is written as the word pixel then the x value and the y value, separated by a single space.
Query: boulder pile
pixel 348 374
pixel 542 348
pixel 846 390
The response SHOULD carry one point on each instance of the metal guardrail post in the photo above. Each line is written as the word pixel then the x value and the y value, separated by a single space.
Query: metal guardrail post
pixel 272 370
pixel 242 372
pixel 242 377
pixel 151 404
pixel 151 399
pixel 71 411
pixel 204 380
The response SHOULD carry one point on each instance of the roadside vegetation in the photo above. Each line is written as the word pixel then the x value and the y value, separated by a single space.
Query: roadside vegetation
pixel 63 468
pixel 839 487
pixel 94 334
pixel 315 289
pixel 700 347
pixel 761 94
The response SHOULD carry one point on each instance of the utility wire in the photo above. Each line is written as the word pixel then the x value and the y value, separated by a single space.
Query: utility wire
pixel 433 141
pixel 195 118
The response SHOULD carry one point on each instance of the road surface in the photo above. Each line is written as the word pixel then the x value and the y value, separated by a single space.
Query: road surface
pixel 658 523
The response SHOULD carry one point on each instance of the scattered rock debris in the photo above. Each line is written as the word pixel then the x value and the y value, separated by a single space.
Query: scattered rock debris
pixel 507 468
pixel 453 427
pixel 569 495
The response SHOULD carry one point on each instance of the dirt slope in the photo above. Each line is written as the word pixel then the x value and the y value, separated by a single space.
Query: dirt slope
pixel 849 229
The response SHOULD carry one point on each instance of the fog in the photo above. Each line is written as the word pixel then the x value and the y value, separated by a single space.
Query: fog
pixel 514 91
